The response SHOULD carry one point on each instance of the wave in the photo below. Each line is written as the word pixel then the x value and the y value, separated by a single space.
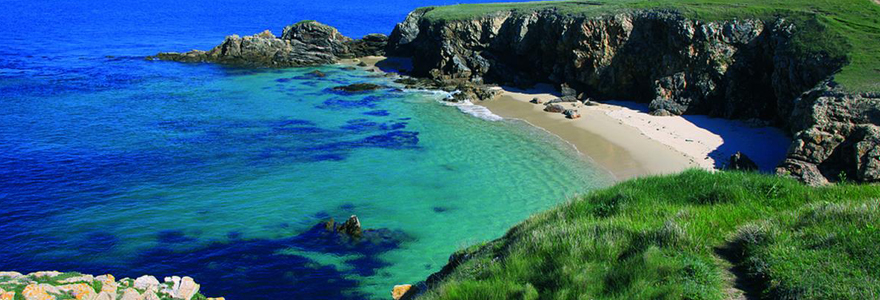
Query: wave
pixel 472 109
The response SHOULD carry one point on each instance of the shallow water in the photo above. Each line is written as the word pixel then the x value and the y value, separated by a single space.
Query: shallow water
pixel 124 166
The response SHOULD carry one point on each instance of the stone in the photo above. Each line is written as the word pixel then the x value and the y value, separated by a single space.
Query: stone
pixel 187 288
pixel 661 113
pixel 130 294
pixel 362 64
pixel 536 100
pixel 150 295
pixel 351 227
pixel 400 290
pixel 80 291
pixel 7 295
pixel 146 282
pixel 572 114
pixel 36 292
pixel 554 108
pixel 105 296
pixel 740 162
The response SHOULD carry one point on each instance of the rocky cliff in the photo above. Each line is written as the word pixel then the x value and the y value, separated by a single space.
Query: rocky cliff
pixel 745 69
pixel 50 285
pixel 302 44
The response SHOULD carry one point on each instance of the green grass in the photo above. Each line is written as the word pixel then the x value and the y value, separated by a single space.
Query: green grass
pixel 660 238
pixel 839 28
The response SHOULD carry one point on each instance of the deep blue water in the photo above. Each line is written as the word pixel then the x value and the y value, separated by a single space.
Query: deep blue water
pixel 113 164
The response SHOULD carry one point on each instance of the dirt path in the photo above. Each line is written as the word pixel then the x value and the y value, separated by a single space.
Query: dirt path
pixel 739 287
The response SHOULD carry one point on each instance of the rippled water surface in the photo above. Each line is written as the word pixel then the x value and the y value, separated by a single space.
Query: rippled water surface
pixel 109 163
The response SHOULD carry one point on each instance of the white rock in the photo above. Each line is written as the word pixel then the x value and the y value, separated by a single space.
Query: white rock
pixel 11 274
pixel 150 295
pixel 188 288
pixel 130 294
pixel 105 296
pixel 146 282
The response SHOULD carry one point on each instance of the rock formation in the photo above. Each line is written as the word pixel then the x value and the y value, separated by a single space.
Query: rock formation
pixel 742 69
pixel 302 44
pixel 50 285
pixel 740 162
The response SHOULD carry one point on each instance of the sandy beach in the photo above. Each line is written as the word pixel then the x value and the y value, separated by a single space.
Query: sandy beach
pixel 622 138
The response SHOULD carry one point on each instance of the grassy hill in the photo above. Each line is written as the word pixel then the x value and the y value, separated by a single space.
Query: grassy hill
pixel 696 235
pixel 841 28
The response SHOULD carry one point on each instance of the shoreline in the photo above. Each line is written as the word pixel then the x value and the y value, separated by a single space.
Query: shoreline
pixel 623 139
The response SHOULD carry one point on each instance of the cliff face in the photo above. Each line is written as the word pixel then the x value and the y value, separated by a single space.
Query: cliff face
pixel 746 69
pixel 302 44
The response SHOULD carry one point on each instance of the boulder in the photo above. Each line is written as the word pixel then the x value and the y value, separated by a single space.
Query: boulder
pixel 48 274
pixel 536 100
pixel 130 294
pixel 80 291
pixel 400 291
pixel 150 295
pixel 740 162
pixel 105 296
pixel 7 295
pixel 572 114
pixel 351 227
pixel 36 292
pixel 554 108
pixel 187 289
pixel 146 282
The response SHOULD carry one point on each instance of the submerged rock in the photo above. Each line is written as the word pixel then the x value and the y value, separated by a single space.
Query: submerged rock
pixel 358 87
pixel 302 44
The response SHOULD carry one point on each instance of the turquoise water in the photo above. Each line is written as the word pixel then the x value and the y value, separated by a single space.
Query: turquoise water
pixel 124 166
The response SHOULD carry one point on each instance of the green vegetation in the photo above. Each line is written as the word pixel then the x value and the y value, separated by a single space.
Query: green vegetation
pixel 848 29
pixel 678 237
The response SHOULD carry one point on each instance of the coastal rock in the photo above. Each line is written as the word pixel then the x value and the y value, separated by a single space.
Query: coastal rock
pixel 82 287
pixel 554 108
pixel 36 292
pixel 302 44
pixel 571 114
pixel 351 227
pixel 740 162
pixel 836 137
pixel 317 74
pixel 400 290
pixel 146 283
pixel 80 291
pixel 536 100
pixel 130 294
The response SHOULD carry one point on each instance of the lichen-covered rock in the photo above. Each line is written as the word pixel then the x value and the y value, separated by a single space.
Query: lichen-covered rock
pixel 400 290
pixel 80 291
pixel 302 44
pixel 130 294
pixel 36 292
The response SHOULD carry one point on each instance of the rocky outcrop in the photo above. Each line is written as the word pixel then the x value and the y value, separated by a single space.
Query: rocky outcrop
pixel 836 137
pixel 50 285
pixel 743 69
pixel 302 44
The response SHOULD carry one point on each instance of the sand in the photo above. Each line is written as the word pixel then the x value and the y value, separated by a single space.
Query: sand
pixel 622 138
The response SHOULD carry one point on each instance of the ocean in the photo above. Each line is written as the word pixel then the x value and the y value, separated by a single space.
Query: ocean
pixel 113 164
